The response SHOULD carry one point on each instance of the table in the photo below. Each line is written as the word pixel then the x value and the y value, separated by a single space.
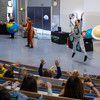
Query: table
pixel 59 37
pixel 88 43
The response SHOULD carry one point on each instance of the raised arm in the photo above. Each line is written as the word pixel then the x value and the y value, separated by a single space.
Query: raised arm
pixel 71 24
pixel 24 25
pixel 59 73
pixel 90 84
pixel 41 67
pixel 81 22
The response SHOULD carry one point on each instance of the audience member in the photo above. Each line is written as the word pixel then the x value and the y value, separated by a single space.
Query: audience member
pixel 98 77
pixel 4 95
pixel 76 72
pixel 9 72
pixel 74 88
pixel 49 72
pixel 31 84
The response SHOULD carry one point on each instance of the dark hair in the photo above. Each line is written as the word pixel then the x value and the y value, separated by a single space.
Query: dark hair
pixel 29 84
pixel 98 77
pixel 9 74
pixel 4 95
pixel 78 20
pixel 47 73
pixel 74 88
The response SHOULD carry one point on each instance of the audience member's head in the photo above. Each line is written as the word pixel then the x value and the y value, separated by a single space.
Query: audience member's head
pixel 9 74
pixel 75 73
pixel 74 88
pixel 29 84
pixel 48 73
pixel 98 77
pixel 4 95
pixel 87 79
pixel 22 73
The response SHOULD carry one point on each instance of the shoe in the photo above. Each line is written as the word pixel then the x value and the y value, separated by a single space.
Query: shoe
pixel 31 47
pixel 12 37
pixel 73 54
pixel 85 58
pixel 26 45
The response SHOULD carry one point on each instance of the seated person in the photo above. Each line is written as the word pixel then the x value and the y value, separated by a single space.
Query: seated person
pixel 48 73
pixel 30 84
pixel 2 69
pixel 98 77
pixel 9 72
pixel 76 72
pixel 74 88
pixel 4 95
pixel 22 72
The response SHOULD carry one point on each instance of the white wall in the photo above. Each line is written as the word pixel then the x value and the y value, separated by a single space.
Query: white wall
pixel 90 7
pixel 92 16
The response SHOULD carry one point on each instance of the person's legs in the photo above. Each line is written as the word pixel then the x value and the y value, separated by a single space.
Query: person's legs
pixel 74 46
pixel 27 40
pixel 81 42
pixel 12 36
pixel 31 41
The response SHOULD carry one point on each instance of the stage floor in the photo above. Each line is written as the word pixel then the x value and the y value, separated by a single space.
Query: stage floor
pixel 14 50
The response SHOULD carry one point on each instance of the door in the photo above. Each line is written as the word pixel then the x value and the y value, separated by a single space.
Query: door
pixel 41 17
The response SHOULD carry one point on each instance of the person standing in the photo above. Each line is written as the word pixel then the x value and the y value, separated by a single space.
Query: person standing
pixel 11 20
pixel 30 30
pixel 78 38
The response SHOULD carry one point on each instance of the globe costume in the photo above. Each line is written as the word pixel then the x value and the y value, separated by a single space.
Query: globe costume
pixel 10 21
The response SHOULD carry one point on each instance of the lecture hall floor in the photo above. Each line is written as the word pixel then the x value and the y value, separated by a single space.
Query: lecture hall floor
pixel 15 50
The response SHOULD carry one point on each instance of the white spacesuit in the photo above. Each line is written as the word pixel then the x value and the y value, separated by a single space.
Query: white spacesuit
pixel 76 33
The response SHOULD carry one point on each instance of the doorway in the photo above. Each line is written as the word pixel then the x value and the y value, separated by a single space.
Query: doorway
pixel 42 20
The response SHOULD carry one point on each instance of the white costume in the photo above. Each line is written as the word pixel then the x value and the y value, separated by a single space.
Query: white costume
pixel 76 31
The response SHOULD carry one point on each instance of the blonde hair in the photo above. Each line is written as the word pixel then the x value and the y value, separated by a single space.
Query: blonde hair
pixel 75 73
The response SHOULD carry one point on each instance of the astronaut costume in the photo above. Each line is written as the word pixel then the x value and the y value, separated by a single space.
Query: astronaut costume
pixel 76 33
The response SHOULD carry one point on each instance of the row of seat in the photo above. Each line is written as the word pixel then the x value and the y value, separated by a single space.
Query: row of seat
pixel 34 70
pixel 56 89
